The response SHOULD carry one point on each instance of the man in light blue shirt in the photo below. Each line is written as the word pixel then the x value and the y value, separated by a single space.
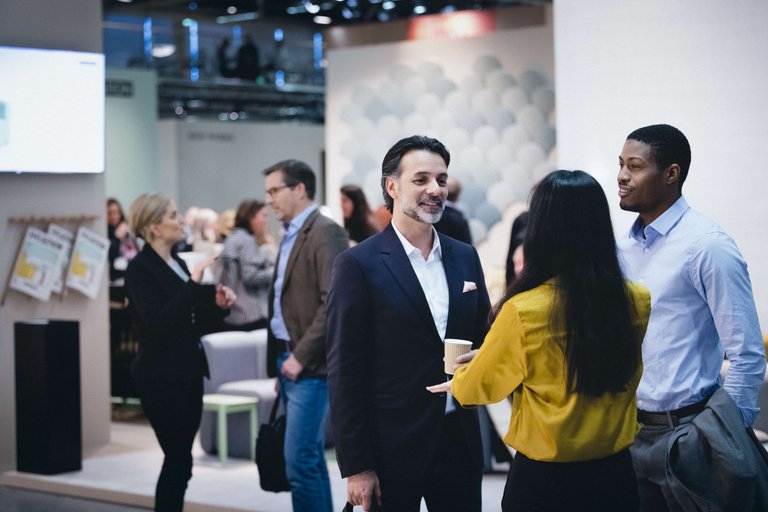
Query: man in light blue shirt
pixel 702 309
pixel 297 325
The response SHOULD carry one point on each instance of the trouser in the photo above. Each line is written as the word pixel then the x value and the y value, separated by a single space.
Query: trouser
pixel 450 484
pixel 173 409
pixel 306 407
pixel 601 485
pixel 649 455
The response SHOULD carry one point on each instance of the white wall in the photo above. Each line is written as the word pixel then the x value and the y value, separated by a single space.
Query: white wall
pixel 700 65
pixel 219 164
pixel 72 25
pixel 131 137
pixel 167 157
pixel 369 95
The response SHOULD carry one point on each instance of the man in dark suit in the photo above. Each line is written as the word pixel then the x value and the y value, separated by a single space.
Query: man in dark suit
pixel 394 298
pixel 453 223
pixel 296 335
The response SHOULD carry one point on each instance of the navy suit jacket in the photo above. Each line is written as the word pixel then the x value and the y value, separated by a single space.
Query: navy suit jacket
pixel 384 349
pixel 171 315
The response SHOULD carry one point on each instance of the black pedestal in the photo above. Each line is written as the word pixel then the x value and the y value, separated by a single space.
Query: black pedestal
pixel 48 429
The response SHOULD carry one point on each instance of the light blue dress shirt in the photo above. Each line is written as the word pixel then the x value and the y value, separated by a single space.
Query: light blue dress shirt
pixel 277 323
pixel 701 310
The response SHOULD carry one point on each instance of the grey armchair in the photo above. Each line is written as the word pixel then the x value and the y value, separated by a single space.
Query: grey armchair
pixel 237 362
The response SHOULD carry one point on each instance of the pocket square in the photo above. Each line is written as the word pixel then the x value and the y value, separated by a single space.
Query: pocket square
pixel 469 286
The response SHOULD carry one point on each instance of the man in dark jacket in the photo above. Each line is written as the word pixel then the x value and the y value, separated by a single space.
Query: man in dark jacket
pixel 453 223
pixel 394 298
pixel 296 342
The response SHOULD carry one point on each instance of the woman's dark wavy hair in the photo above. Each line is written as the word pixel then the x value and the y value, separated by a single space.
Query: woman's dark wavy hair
pixel 358 225
pixel 570 238
pixel 245 212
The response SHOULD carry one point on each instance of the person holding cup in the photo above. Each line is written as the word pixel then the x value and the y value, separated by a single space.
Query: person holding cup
pixel 394 298
pixel 566 341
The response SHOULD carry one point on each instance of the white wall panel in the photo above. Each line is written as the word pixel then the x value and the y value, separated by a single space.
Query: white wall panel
pixel 700 65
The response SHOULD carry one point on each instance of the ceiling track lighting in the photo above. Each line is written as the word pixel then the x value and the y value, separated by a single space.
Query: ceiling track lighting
pixel 236 18
pixel 311 8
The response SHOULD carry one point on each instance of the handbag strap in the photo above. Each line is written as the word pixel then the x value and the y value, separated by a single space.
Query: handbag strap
pixel 273 414
pixel 350 507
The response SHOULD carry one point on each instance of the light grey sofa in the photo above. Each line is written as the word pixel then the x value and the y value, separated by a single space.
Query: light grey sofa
pixel 237 362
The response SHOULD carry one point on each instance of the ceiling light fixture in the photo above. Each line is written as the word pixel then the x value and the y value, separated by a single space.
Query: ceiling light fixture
pixel 322 20
pixel 235 18
pixel 311 8
pixel 419 9
pixel 296 9
pixel 161 51
pixel 231 9
pixel 388 5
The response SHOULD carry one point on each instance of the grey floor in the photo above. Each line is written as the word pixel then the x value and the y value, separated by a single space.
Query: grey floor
pixel 19 500
pixel 125 471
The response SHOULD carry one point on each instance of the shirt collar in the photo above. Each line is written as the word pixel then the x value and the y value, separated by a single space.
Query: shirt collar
pixel 664 223
pixel 298 221
pixel 435 252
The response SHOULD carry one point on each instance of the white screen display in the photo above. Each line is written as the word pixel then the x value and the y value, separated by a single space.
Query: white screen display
pixel 51 111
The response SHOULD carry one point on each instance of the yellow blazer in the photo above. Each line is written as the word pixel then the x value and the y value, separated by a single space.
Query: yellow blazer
pixel 523 354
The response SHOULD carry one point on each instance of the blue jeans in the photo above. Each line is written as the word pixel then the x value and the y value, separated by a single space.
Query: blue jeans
pixel 306 406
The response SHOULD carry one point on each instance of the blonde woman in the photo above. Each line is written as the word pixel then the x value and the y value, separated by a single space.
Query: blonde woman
pixel 172 310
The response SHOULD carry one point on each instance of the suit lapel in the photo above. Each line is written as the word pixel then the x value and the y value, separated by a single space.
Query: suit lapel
pixel 399 265
pixel 163 272
pixel 301 238
pixel 455 283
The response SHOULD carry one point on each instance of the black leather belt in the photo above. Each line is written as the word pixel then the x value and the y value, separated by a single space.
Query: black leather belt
pixel 672 418
pixel 289 345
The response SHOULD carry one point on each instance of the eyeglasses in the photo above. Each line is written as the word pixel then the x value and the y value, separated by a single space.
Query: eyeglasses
pixel 272 192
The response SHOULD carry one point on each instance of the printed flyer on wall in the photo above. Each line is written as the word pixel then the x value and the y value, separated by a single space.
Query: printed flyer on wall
pixel 37 264
pixel 65 237
pixel 89 258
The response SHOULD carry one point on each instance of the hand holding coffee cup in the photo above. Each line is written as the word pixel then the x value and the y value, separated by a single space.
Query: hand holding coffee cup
pixel 454 348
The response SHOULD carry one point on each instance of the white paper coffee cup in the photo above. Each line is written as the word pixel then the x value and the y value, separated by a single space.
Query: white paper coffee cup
pixel 453 349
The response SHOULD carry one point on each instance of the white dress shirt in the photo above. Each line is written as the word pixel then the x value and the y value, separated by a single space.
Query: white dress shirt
pixel 434 284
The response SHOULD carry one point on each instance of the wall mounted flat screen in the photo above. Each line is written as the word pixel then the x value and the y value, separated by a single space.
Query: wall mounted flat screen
pixel 51 111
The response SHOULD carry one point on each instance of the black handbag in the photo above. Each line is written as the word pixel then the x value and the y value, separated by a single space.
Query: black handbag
pixel 350 508
pixel 374 505
pixel 270 457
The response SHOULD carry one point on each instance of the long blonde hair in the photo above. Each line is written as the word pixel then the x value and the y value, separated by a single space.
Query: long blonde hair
pixel 145 211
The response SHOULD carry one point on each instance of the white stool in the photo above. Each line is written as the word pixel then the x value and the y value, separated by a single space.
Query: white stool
pixel 222 405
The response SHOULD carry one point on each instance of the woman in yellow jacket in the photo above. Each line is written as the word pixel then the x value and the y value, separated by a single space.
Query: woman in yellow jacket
pixel 566 341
